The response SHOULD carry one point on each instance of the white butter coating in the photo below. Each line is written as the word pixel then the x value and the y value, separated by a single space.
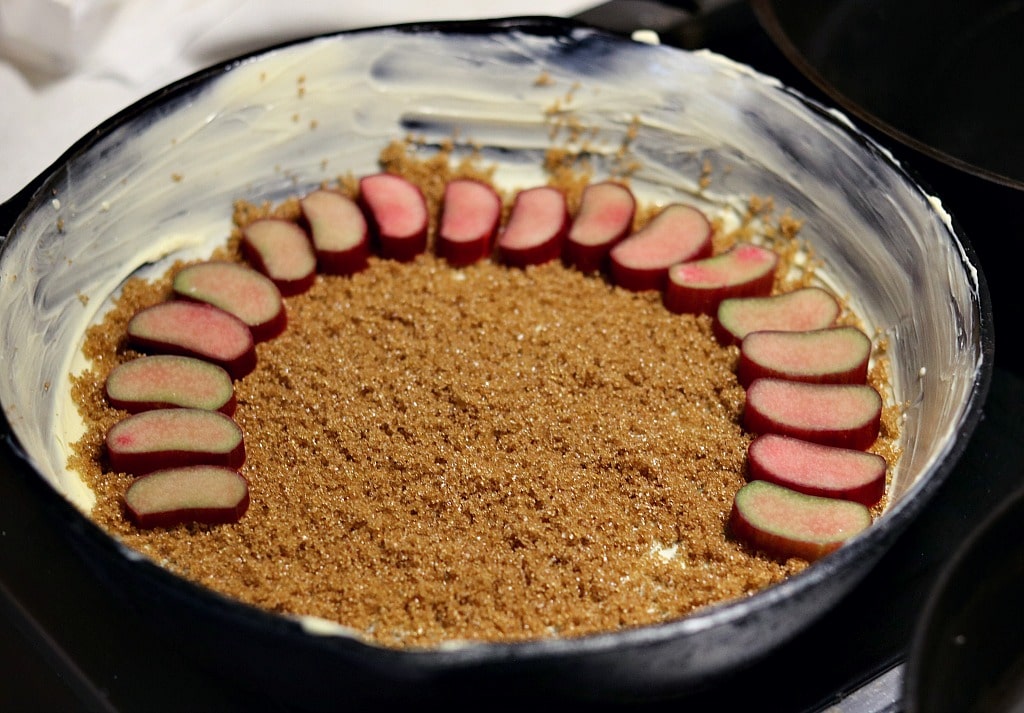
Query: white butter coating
pixel 163 183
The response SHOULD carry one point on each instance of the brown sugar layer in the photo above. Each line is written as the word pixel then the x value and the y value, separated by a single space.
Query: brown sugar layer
pixel 486 453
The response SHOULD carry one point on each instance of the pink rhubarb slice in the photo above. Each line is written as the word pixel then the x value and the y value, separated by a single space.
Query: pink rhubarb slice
pixel 282 251
pixel 784 523
pixel 339 232
pixel 837 355
pixel 800 310
pixel 844 415
pixel 207 494
pixel 817 469
pixel 169 381
pixel 699 286
pixel 536 228
pixel 679 233
pixel 238 289
pixel 604 218
pixel 195 329
pixel 172 438
pixel 397 213
pixel 470 215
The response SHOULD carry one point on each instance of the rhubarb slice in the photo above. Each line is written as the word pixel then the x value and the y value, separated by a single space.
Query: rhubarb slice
pixel 282 251
pixel 844 415
pixel 238 289
pixel 168 381
pixel 837 355
pixel 679 233
pixel 470 214
pixel 536 229
pixel 172 438
pixel 339 232
pixel 397 214
pixel 800 310
pixel 784 523
pixel 699 286
pixel 195 329
pixel 605 217
pixel 816 469
pixel 206 494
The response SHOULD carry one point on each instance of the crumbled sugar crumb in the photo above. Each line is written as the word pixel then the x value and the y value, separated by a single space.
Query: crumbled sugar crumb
pixel 544 79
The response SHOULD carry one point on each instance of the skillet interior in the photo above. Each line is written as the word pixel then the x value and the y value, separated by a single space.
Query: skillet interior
pixel 94 219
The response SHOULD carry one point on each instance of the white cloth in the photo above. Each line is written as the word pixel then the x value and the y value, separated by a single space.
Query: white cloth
pixel 66 65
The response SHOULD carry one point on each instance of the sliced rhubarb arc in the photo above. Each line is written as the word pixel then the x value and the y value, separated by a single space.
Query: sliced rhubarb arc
pixel 339 232
pixel 172 438
pixel 604 218
pixel 844 415
pixel 205 494
pixel 784 523
pixel 837 355
pixel 801 310
pixel 468 224
pixel 282 251
pixel 237 289
pixel 537 226
pixel 699 286
pixel 817 469
pixel 397 213
pixel 195 329
pixel 679 233
pixel 168 381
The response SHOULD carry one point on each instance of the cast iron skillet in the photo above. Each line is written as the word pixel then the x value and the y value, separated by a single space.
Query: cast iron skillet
pixel 966 654
pixel 277 655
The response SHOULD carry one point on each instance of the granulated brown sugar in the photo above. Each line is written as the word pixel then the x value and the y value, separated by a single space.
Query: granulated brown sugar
pixel 485 453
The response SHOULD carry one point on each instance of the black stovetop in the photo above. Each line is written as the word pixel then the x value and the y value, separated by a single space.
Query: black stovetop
pixel 70 646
